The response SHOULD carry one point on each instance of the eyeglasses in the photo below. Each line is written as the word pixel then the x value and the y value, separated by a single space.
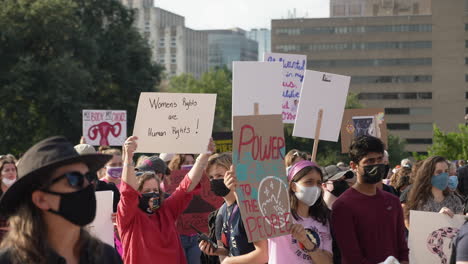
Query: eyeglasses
pixel 74 178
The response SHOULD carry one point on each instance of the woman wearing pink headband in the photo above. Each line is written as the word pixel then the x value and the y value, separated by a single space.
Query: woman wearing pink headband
pixel 310 240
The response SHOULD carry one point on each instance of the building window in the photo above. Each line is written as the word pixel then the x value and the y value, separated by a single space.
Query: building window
pixel 391 79
pixel 466 27
pixel 370 63
pixel 398 126
pixel 394 96
pixel 360 45
pixel 466 111
pixel 397 111
pixel 466 95
pixel 466 43
pixel 419 140
pixel 354 29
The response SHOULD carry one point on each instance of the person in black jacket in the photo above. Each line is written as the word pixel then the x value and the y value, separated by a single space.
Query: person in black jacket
pixel 49 205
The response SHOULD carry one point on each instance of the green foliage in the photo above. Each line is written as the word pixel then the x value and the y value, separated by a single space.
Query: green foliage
pixel 62 56
pixel 396 150
pixel 216 81
pixel 452 145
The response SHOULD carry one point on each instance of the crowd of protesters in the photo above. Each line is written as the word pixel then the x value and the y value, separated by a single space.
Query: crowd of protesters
pixel 344 213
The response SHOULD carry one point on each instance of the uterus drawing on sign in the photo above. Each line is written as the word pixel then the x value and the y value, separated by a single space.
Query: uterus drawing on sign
pixel 273 199
pixel 103 129
pixel 436 244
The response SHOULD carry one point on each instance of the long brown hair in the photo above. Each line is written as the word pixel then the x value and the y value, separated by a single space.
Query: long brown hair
pixel 402 172
pixel 422 186
pixel 178 160
pixel 3 161
pixel 319 210
pixel 27 237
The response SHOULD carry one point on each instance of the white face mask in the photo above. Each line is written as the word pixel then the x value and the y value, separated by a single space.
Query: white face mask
pixel 308 195
pixel 8 182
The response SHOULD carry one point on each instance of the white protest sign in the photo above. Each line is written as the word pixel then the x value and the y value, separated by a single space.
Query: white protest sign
pixel 256 82
pixel 430 236
pixel 294 66
pixel 326 91
pixel 102 226
pixel 174 122
pixel 105 127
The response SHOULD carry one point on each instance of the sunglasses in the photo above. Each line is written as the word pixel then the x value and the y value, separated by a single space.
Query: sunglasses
pixel 75 179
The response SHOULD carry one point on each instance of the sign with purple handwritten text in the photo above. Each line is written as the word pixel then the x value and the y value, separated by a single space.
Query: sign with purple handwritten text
pixel 256 82
pixel 431 236
pixel 174 122
pixel 105 127
pixel 262 186
pixel 326 91
pixel 294 66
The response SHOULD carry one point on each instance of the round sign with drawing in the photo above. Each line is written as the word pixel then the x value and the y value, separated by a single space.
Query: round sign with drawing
pixel 273 199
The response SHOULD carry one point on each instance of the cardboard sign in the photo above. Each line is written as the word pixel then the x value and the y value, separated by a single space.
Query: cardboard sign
pixel 358 122
pixel 102 226
pixel 430 236
pixel 105 127
pixel 202 204
pixel 258 157
pixel 223 141
pixel 325 91
pixel 174 122
pixel 294 66
pixel 256 82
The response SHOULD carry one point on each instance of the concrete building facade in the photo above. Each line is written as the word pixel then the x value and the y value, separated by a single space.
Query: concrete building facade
pixel 416 67
pixel 178 48
pixel 351 8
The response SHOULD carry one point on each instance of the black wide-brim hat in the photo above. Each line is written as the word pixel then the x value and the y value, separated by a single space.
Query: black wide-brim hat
pixel 38 163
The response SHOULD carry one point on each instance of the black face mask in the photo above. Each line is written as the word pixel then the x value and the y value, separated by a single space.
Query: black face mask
pixel 143 204
pixel 219 188
pixel 339 187
pixel 77 207
pixel 373 173
pixel 387 169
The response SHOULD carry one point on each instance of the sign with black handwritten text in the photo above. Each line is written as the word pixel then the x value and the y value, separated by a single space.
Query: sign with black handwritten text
pixel 256 82
pixel 105 127
pixel 262 186
pixel 326 91
pixel 294 66
pixel 174 122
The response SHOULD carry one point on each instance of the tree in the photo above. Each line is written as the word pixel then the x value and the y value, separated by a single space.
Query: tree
pixel 216 81
pixel 62 56
pixel 452 145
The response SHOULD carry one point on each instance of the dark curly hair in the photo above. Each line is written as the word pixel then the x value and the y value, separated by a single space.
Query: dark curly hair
pixel 363 145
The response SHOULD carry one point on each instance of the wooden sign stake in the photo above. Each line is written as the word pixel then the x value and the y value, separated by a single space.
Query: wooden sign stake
pixel 317 135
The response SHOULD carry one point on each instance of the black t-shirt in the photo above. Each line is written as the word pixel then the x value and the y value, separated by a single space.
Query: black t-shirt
pixel 104 186
pixel 233 232
pixel 404 194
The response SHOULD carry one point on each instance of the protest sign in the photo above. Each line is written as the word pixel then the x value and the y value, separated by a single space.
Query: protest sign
pixel 324 91
pixel 430 236
pixel 256 82
pixel 358 122
pixel 294 66
pixel 105 127
pixel 262 186
pixel 223 141
pixel 203 203
pixel 174 122
pixel 102 226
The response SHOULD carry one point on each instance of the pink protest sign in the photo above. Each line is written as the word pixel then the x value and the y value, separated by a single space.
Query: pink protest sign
pixel 105 127
pixel 294 66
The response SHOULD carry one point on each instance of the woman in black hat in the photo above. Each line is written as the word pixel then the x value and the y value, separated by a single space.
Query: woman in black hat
pixel 49 205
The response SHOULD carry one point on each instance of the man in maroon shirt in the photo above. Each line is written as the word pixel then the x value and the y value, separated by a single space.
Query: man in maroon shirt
pixel 368 222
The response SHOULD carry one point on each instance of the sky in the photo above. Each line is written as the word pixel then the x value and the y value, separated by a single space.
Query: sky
pixel 246 14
